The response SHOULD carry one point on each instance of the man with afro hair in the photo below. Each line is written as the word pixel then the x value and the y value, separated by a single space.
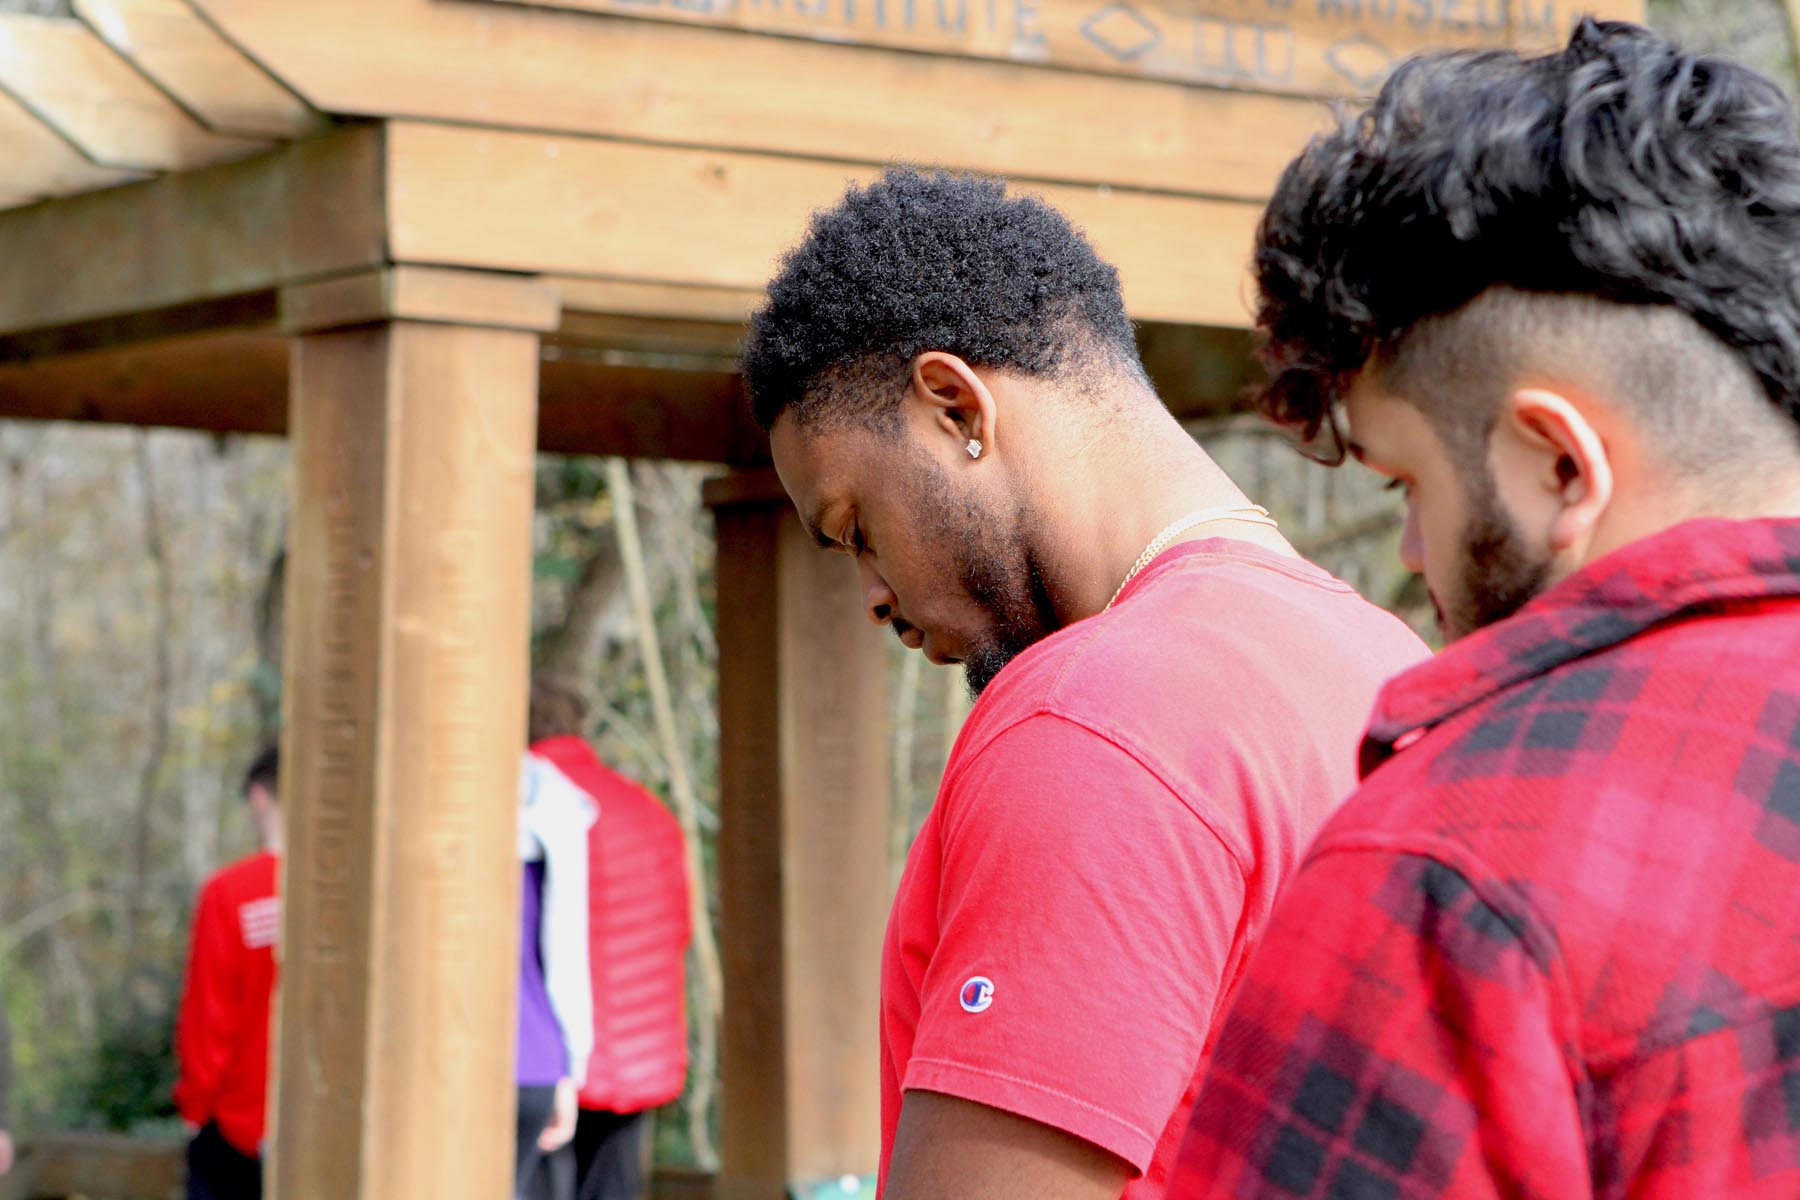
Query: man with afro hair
pixel 1169 697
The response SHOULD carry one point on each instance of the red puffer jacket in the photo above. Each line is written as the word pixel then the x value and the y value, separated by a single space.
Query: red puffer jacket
pixel 638 931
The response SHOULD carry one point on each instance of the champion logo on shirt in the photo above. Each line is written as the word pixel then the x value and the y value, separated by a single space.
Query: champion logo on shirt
pixel 977 994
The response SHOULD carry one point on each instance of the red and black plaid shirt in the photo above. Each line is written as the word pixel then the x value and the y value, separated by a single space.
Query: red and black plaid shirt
pixel 1552 946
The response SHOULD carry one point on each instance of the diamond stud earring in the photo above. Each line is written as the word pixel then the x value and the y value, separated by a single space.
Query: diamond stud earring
pixel 974 448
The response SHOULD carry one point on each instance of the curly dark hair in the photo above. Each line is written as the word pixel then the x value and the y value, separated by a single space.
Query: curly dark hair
pixel 1619 169
pixel 927 260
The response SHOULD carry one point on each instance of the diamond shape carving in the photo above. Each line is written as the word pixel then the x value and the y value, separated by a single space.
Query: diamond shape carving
pixel 1362 60
pixel 1122 31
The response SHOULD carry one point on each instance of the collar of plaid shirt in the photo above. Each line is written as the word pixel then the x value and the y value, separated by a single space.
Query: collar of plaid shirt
pixel 1685 569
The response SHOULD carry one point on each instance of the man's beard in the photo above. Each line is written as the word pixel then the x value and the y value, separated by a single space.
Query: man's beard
pixel 1001 573
pixel 1017 601
pixel 1499 574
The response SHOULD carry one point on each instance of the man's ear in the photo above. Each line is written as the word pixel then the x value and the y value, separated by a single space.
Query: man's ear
pixel 1547 451
pixel 960 403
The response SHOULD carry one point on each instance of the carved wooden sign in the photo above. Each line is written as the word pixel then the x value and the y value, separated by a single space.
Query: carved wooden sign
pixel 1303 47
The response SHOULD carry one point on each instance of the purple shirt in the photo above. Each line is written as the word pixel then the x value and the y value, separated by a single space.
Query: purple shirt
pixel 542 1059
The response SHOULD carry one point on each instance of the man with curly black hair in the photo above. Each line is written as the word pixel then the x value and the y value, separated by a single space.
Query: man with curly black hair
pixel 1552 946
pixel 1169 696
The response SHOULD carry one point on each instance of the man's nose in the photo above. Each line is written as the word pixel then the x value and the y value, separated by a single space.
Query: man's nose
pixel 879 600
pixel 1412 542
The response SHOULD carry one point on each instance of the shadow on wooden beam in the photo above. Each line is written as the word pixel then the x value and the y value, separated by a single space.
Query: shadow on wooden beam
pixel 237 382
pixel 224 382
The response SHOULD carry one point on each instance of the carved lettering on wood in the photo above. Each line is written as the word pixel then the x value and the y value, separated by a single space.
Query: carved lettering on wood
pixel 1305 47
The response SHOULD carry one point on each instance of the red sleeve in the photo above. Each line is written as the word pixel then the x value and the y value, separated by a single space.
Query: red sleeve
pixel 1100 911
pixel 210 1007
pixel 1395 1036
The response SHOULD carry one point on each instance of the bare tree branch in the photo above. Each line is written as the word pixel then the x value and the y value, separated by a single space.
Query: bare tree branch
pixel 706 946
pixel 563 650
pixel 161 684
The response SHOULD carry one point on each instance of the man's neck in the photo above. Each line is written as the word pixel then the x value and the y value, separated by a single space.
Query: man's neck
pixel 1667 504
pixel 1144 473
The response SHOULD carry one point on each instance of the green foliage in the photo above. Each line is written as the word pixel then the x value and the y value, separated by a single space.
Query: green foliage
pixel 124 1087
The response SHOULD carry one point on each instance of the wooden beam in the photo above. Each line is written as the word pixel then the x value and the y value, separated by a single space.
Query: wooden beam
pixel 437 295
pixel 227 383
pixel 643 412
pixel 634 298
pixel 407 630
pixel 40 162
pixel 720 220
pixel 84 1164
pixel 802 852
pixel 237 382
pixel 504 65
pixel 303 210
pixel 1199 371
pixel 1339 48
pixel 169 42
pixel 59 69
pixel 704 84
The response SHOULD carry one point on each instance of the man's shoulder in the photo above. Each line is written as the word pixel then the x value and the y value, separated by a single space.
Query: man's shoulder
pixel 1627 804
pixel 1220 671
pixel 582 765
pixel 1607 731
pixel 1219 609
pixel 254 873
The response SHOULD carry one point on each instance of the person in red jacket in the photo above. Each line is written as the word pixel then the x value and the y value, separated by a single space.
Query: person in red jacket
pixel 222 1033
pixel 638 932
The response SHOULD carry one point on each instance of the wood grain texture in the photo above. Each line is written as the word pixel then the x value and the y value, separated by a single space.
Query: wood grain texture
pixel 1328 48
pixel 434 294
pixel 720 220
pixel 40 162
pixel 169 42
pixel 61 70
pixel 802 859
pixel 407 611
pixel 305 209
pixel 689 85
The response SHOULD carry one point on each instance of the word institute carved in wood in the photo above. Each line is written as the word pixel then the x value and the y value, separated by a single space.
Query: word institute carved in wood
pixel 1306 47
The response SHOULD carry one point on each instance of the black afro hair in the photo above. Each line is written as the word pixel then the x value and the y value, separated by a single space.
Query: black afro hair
pixel 918 261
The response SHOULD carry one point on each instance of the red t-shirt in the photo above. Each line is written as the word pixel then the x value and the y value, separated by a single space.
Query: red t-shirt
pixel 222 1033
pixel 1107 843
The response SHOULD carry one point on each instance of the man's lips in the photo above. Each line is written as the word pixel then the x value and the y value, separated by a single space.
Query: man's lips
pixel 913 638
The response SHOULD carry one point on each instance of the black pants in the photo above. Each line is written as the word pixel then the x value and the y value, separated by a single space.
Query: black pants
pixel 536 1106
pixel 217 1170
pixel 609 1154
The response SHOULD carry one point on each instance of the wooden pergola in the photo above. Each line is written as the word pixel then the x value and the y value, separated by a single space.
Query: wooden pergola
pixel 427 238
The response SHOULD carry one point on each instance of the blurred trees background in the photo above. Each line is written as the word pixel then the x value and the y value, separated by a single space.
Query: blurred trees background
pixel 140 585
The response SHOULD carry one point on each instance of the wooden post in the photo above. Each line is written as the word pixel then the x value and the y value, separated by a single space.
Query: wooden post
pixel 413 435
pixel 803 878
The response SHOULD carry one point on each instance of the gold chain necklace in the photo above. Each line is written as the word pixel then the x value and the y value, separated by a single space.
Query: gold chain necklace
pixel 1253 513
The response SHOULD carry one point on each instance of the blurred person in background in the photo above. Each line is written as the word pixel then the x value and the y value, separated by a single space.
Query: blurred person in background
pixel 222 1029
pixel 556 1017
pixel 1170 696
pixel 638 933
pixel 1552 946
